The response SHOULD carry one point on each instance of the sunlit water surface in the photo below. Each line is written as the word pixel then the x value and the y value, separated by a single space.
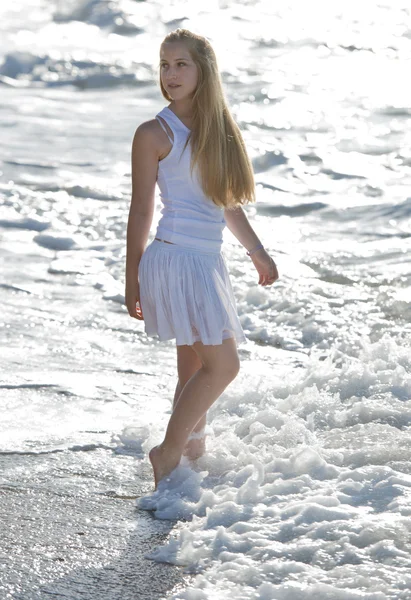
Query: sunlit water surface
pixel 306 485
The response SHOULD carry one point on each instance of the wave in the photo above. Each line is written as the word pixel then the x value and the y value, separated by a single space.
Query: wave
pixel 395 111
pixel 25 223
pixel 102 14
pixel 371 212
pixel 75 448
pixel 132 371
pixel 13 288
pixel 35 386
pixel 55 242
pixel 87 192
pixel 401 210
pixel 24 69
pixel 297 210
pixel 337 174
pixel 78 191
pixel 31 164
pixel 268 160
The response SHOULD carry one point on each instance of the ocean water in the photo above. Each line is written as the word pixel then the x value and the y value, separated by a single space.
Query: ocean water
pixel 305 489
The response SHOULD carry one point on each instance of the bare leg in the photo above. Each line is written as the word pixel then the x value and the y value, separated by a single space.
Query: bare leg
pixel 188 363
pixel 219 366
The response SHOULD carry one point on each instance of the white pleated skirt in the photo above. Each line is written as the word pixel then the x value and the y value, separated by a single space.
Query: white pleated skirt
pixel 186 295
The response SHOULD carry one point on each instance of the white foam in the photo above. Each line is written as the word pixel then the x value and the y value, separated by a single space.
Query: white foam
pixel 283 483
pixel 176 497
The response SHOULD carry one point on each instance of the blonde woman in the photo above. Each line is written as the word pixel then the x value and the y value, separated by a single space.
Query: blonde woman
pixel 179 285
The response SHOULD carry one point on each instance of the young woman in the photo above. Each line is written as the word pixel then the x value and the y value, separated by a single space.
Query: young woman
pixel 179 285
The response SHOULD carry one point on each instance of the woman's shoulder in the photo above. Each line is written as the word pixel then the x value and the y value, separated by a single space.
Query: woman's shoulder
pixel 149 132
pixel 148 128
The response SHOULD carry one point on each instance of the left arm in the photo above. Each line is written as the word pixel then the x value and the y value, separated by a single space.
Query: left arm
pixel 240 227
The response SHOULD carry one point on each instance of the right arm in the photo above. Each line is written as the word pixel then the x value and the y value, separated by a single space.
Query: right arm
pixel 144 166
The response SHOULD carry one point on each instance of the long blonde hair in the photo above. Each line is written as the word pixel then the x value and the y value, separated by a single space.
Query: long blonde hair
pixel 218 148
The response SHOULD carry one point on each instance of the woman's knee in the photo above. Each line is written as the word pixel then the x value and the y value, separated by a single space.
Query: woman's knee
pixel 221 361
pixel 226 369
pixel 233 367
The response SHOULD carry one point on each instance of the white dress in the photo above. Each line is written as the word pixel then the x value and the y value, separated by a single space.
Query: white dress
pixel 185 289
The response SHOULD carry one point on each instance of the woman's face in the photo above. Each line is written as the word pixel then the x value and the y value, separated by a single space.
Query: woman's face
pixel 178 71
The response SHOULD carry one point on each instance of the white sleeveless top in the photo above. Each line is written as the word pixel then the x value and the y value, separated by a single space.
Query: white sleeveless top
pixel 189 217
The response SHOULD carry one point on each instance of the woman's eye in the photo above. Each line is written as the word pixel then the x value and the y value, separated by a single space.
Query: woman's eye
pixel 181 63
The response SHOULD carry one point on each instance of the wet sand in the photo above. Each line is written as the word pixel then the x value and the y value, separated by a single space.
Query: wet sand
pixel 89 543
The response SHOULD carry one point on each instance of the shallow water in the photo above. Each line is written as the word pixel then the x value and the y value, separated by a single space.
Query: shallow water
pixel 305 488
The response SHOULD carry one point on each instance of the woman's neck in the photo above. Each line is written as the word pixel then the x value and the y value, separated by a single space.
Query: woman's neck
pixel 183 109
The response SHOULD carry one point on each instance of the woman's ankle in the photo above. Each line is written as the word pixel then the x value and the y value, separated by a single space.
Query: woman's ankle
pixel 170 451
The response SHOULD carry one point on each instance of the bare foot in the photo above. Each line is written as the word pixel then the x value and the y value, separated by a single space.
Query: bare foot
pixel 162 464
pixel 195 448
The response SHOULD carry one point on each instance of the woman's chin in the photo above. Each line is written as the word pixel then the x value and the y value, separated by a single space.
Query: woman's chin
pixel 180 95
pixel 177 96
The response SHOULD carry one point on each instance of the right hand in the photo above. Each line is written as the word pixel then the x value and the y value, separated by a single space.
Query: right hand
pixel 132 302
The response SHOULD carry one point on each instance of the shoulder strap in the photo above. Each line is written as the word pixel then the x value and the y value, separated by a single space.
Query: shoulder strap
pixel 160 120
pixel 167 116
